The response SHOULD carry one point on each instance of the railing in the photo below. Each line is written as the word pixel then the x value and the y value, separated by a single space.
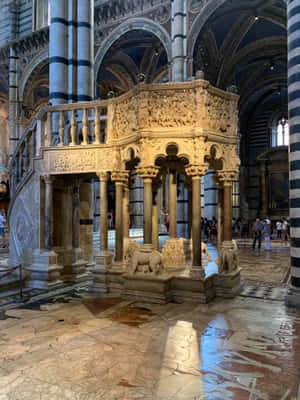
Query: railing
pixel 76 124
pixel 63 125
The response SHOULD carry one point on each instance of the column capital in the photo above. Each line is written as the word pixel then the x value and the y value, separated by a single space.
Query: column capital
pixel 196 170
pixel 149 172
pixel 48 179
pixel 102 175
pixel 120 176
pixel 227 177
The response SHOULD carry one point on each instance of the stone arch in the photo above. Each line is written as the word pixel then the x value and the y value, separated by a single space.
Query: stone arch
pixel 204 14
pixel 131 25
pixel 41 58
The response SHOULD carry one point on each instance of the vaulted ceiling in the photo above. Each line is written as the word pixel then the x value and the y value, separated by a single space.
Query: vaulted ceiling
pixel 135 54
pixel 245 44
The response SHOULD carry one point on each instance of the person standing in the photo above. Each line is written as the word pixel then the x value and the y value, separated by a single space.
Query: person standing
pixel 285 228
pixel 267 233
pixel 279 229
pixel 257 230
pixel 2 234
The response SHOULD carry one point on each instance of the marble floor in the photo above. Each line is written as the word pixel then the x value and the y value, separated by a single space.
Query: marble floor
pixel 82 348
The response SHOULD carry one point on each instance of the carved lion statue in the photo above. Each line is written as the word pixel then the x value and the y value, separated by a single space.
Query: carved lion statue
pixel 228 260
pixel 147 262
pixel 130 246
pixel 203 249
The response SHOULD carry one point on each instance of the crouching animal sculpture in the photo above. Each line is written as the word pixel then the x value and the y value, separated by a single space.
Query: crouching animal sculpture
pixel 145 261
pixel 228 260
pixel 203 249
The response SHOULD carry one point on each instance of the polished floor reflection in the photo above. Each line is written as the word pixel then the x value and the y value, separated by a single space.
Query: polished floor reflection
pixel 85 348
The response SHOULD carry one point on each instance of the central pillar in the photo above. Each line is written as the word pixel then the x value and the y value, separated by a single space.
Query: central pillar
pixel 120 178
pixel 48 235
pixel 228 207
pixel 196 172
pixel 103 211
pixel 147 174
pixel 173 204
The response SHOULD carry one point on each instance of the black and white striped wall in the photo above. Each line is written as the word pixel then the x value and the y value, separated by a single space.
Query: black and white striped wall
pixel 293 16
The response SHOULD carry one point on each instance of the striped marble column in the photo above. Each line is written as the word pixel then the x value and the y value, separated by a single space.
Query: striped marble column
pixel 293 16
pixel 58 51
pixel 72 51
pixel 85 53
pixel 179 16
pixel 136 200
pixel 58 58
pixel 210 195
pixel 13 100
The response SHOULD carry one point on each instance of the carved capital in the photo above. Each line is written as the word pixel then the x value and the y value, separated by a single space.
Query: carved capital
pixel 48 179
pixel 227 177
pixel 102 175
pixel 120 176
pixel 147 172
pixel 196 171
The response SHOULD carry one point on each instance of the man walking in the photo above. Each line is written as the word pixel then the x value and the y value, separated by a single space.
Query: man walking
pixel 257 230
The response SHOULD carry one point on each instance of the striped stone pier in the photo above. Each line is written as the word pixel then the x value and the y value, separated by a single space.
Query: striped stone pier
pixel 293 16
pixel 179 65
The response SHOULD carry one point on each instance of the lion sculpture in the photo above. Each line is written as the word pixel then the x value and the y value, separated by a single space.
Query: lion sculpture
pixel 228 260
pixel 144 261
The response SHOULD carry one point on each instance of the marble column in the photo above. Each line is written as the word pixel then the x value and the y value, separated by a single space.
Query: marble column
pixel 103 212
pixel 48 235
pixel 210 195
pixel 78 267
pixel 120 178
pixel 220 215
pixel 45 273
pixel 173 204
pixel 126 220
pixel 86 220
pixel 58 60
pixel 58 51
pixel 293 20
pixel 181 208
pixel 155 217
pixel 85 50
pixel 228 207
pixel 147 174
pixel 190 211
pixel 196 172
pixel 13 100
pixel 178 28
pixel 72 51
pixel 263 189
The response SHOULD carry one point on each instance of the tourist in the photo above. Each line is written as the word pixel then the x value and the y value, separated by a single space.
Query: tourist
pixel 279 229
pixel 267 233
pixel 285 230
pixel 257 230
pixel 167 222
pixel 2 222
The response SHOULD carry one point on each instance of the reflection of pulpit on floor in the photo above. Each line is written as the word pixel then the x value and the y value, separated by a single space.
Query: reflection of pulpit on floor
pixel 274 182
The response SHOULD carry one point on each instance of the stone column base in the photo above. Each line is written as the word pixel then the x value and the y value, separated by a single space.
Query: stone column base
pixel 103 260
pixel 45 273
pixel 293 297
pixel 197 272
pixel 228 285
pixel 75 266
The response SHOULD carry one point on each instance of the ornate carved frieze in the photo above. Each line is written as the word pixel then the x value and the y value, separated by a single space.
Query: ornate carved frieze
pixel 195 105
pixel 117 10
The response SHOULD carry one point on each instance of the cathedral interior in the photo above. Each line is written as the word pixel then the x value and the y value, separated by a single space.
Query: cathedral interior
pixel 147 147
